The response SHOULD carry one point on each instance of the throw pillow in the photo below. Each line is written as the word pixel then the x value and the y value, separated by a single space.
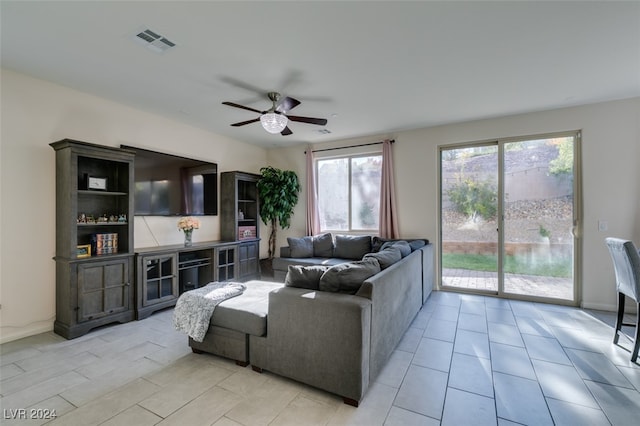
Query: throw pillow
pixel 377 242
pixel 352 246
pixel 301 247
pixel 403 246
pixel 416 244
pixel 305 276
pixel 386 257
pixel 348 277
pixel 323 245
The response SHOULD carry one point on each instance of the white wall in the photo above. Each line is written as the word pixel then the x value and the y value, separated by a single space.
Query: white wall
pixel 35 113
pixel 611 177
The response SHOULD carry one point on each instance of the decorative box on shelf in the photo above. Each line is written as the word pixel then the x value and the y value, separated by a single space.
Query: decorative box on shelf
pixel 246 232
pixel 104 244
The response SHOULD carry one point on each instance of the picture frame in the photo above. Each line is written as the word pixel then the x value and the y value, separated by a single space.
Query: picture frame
pixel 96 183
pixel 83 251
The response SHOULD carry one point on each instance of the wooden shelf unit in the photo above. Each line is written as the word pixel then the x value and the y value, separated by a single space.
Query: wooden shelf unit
pixel 240 219
pixel 95 290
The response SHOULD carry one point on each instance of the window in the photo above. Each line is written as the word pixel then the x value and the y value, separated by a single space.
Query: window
pixel 349 192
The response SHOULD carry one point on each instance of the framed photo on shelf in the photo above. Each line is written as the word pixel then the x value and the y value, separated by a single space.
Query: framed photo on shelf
pixel 83 250
pixel 96 183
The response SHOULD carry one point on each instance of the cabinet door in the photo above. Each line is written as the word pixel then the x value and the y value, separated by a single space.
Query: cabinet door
pixel 226 263
pixel 248 259
pixel 103 288
pixel 160 281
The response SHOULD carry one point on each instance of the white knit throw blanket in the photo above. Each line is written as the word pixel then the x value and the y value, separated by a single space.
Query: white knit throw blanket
pixel 194 308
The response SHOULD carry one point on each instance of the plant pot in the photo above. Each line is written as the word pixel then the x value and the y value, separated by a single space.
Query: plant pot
pixel 266 268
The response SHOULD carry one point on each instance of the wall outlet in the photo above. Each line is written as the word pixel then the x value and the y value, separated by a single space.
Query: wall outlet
pixel 603 225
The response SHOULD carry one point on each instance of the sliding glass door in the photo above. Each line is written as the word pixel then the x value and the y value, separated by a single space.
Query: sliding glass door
pixel 508 215
pixel 469 207
pixel 539 217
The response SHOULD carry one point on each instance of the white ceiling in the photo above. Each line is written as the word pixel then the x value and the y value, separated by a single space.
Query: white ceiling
pixel 368 67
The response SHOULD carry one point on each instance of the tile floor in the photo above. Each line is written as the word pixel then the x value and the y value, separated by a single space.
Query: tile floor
pixel 466 360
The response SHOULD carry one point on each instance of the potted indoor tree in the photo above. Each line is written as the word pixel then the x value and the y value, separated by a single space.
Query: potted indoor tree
pixel 278 191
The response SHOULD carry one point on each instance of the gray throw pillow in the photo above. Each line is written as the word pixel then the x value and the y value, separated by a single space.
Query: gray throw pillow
pixel 348 277
pixel 352 246
pixel 416 244
pixel 301 247
pixel 403 246
pixel 323 245
pixel 386 257
pixel 305 276
pixel 377 242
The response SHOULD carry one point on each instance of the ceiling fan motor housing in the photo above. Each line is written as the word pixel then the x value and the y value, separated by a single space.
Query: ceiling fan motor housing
pixel 274 96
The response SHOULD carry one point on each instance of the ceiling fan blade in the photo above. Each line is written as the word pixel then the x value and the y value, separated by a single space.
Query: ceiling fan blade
pixel 309 120
pixel 242 123
pixel 243 85
pixel 241 106
pixel 287 131
pixel 288 104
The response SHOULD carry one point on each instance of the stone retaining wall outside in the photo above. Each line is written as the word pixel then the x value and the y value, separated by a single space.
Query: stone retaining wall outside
pixel 511 249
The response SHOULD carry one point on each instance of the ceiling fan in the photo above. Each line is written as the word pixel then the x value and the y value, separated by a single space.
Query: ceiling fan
pixel 275 119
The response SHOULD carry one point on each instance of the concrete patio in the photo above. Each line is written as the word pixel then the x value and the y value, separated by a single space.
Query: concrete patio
pixel 530 285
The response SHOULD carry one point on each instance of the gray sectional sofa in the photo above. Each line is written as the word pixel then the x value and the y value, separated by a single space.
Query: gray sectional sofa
pixel 325 328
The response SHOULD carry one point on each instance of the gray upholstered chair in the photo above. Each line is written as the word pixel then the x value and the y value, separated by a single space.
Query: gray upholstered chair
pixel 626 262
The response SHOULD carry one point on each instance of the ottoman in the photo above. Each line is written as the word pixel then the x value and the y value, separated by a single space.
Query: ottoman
pixel 234 320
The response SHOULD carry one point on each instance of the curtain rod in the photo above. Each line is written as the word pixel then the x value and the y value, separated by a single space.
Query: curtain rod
pixel 350 146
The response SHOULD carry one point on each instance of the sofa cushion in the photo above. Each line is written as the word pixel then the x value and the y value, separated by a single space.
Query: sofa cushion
pixel 305 276
pixel 246 313
pixel 348 277
pixel 282 263
pixel 301 247
pixel 386 257
pixel 323 245
pixel 403 246
pixel 352 246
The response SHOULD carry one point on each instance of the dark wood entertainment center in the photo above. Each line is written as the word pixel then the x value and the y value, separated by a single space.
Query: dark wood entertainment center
pixel 100 277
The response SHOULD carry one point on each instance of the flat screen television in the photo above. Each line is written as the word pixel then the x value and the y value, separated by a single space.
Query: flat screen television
pixel 170 185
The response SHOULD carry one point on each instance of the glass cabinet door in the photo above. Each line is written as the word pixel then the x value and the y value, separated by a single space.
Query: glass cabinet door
pixel 226 263
pixel 161 279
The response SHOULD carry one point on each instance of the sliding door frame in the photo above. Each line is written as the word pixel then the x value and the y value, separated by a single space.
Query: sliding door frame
pixel 577 216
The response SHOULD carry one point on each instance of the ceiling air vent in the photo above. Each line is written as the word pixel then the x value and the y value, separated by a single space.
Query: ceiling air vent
pixel 153 41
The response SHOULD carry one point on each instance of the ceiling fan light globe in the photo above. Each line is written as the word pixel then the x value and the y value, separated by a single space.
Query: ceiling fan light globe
pixel 273 123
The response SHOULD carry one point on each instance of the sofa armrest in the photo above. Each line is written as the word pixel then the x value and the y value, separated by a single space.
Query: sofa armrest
pixel 285 251
pixel 396 296
pixel 320 338
pixel 427 272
